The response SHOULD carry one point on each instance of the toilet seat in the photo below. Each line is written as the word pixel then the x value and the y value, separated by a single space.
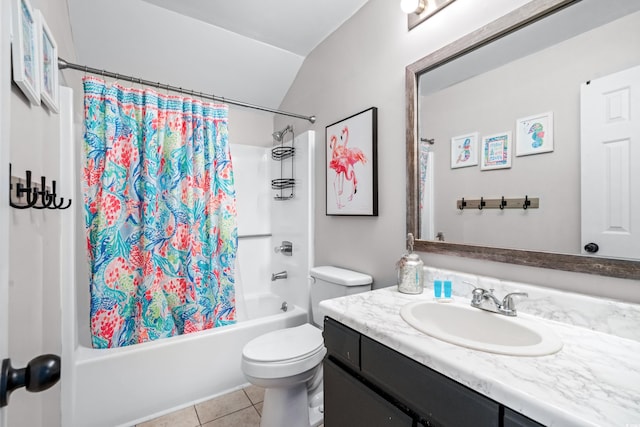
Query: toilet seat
pixel 284 352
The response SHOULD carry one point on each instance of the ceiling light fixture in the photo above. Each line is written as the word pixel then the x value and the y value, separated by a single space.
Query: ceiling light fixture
pixel 413 6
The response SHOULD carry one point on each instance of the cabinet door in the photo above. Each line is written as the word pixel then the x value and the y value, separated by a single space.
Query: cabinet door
pixel 349 403
pixel 342 343
pixel 514 419
pixel 438 399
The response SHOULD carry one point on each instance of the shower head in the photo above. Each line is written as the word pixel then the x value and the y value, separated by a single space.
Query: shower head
pixel 278 135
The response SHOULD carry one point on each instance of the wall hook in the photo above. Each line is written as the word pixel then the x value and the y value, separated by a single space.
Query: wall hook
pixel 503 203
pixel 482 203
pixel 23 190
pixel 45 197
pixel 57 205
pixel 527 203
pixel 463 204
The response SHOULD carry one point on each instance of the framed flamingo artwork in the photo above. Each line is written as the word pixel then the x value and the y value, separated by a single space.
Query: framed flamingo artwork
pixel 351 165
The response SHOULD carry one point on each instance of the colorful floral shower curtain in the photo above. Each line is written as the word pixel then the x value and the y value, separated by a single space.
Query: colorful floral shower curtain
pixel 160 214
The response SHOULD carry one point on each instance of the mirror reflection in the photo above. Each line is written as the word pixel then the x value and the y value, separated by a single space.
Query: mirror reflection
pixel 529 116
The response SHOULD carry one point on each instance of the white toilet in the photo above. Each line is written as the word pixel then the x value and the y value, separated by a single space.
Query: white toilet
pixel 288 362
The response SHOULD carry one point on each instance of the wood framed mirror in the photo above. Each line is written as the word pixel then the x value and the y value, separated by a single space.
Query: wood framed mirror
pixel 513 24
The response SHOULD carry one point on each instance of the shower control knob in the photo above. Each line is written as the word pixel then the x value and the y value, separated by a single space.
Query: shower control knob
pixel 592 248
pixel 40 374
pixel 286 248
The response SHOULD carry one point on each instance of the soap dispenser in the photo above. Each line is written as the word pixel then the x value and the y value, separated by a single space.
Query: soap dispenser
pixel 410 271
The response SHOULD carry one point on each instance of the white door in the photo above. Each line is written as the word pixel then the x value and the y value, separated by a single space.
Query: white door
pixel 5 79
pixel 610 169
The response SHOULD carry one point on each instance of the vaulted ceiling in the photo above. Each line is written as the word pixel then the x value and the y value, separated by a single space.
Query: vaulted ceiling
pixel 248 50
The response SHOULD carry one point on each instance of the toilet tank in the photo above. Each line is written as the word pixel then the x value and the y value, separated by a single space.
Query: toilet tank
pixel 332 282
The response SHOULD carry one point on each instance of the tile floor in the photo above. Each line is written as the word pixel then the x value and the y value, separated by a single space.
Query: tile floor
pixel 240 408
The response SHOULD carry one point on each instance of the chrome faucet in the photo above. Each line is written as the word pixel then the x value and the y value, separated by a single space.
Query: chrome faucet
pixel 280 275
pixel 486 300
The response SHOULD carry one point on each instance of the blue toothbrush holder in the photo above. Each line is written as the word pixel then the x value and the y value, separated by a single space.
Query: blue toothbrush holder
pixel 437 288
pixel 447 289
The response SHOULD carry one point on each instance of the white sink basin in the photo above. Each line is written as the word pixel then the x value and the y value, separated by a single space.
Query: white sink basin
pixel 481 330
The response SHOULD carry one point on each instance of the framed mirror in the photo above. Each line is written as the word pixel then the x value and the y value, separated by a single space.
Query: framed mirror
pixel 536 62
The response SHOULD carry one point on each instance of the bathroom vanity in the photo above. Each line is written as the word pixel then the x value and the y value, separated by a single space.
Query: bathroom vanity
pixel 381 371
pixel 367 383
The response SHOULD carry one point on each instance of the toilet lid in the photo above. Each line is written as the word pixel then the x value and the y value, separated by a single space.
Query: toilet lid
pixel 285 344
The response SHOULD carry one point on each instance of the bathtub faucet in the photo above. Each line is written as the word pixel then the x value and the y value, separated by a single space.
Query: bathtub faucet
pixel 280 275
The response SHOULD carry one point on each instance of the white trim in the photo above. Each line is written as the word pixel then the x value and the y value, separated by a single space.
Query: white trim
pixel 69 335
pixel 5 96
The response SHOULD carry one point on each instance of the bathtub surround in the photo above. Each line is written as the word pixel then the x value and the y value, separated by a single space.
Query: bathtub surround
pixel 594 380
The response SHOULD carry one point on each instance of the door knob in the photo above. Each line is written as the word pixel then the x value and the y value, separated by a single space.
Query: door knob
pixel 592 248
pixel 40 374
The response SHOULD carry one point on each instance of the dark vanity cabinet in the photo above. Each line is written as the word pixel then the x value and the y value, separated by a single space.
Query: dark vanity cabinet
pixel 369 384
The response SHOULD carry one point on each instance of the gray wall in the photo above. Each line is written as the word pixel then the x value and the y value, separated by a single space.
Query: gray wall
pixel 361 65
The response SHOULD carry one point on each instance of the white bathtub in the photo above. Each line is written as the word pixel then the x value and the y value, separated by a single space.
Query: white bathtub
pixel 124 386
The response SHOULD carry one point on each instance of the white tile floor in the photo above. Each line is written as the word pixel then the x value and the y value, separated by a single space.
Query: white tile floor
pixel 240 408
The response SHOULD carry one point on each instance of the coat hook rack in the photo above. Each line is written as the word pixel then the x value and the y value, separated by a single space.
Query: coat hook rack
pixel 27 193
pixel 502 203
pixel 22 190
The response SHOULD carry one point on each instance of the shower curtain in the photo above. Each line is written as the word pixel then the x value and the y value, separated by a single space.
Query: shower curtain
pixel 160 217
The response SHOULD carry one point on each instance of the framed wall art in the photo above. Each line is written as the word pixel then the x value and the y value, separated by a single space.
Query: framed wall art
pixel 351 165
pixel 534 134
pixel 24 48
pixel 496 151
pixel 48 55
pixel 464 150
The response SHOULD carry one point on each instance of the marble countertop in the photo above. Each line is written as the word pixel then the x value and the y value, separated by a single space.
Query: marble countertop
pixel 593 381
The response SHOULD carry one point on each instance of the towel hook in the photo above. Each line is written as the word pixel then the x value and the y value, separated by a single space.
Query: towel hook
pixel 503 203
pixel 482 203
pixel 527 203
pixel 463 204
pixel 44 195
pixel 23 189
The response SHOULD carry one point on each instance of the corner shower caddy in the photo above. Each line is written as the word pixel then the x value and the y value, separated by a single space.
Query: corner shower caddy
pixel 281 153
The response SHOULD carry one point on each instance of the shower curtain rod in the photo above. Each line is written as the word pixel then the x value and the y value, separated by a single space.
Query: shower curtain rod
pixel 63 64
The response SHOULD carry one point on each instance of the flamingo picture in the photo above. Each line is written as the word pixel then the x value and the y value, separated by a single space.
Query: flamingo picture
pixel 343 159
